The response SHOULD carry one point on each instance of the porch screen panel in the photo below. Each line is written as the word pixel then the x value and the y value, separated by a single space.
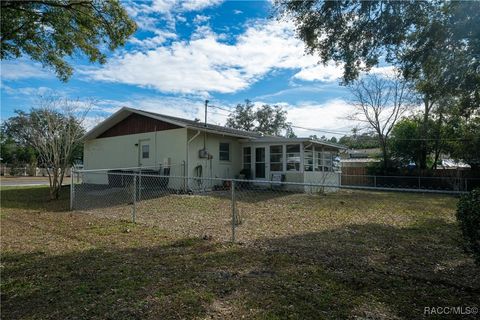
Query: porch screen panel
pixel 276 158
pixel 324 161
pixel 319 162
pixel 327 161
pixel 293 157
pixel 308 158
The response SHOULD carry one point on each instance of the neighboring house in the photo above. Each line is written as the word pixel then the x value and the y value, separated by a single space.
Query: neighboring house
pixel 135 138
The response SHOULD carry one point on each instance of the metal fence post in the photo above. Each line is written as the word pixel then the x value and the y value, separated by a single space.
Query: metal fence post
pixel 185 178
pixel 232 186
pixel 419 183
pixel 72 191
pixel 374 181
pixel 140 185
pixel 466 186
pixel 134 198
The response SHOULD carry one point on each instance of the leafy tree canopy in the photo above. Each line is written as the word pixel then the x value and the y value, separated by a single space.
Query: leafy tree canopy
pixel 15 153
pixel 427 40
pixel 269 120
pixel 360 141
pixel 467 147
pixel 50 30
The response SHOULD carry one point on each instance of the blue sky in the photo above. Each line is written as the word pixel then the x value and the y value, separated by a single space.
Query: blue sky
pixel 187 51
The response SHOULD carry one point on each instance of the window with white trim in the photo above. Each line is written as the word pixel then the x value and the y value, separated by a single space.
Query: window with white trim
pixel 145 151
pixel 224 154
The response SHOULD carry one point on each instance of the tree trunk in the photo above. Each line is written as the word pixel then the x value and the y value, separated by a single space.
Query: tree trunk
pixel 438 140
pixel 424 136
pixel 383 147
pixel 54 187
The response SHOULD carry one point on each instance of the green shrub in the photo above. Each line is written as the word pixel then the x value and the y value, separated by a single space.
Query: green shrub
pixel 468 215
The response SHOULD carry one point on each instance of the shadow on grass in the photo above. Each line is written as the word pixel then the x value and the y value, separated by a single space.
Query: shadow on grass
pixel 34 197
pixel 368 270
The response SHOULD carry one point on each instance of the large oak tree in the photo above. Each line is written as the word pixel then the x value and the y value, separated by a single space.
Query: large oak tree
pixel 49 31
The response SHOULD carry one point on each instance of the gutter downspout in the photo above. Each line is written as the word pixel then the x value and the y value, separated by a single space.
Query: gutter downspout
pixel 187 162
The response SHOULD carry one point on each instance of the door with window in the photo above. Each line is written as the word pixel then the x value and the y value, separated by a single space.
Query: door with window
pixel 260 164
pixel 145 154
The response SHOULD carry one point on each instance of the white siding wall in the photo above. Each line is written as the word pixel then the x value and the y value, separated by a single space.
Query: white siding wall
pixel 214 168
pixel 121 152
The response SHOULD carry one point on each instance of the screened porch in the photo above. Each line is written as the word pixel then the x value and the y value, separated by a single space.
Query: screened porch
pixel 291 160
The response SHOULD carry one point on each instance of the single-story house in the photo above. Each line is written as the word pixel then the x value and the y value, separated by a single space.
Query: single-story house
pixel 135 138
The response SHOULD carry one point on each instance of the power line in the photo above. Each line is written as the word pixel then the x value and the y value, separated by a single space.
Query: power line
pixel 321 130
pixel 220 108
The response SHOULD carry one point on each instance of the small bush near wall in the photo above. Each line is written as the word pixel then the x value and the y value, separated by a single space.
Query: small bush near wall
pixel 468 215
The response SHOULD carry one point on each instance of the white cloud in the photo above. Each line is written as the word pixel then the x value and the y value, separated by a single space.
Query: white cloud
pixel 386 71
pixel 167 7
pixel 183 107
pixel 237 11
pixel 152 42
pixel 206 64
pixel 153 14
pixel 199 18
pixel 21 70
pixel 196 5
pixel 328 116
pixel 320 72
pixel 31 91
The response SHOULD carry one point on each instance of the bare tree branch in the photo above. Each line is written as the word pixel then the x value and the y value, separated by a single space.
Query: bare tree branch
pixel 380 102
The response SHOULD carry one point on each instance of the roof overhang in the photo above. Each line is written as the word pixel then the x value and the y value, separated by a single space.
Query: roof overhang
pixel 221 133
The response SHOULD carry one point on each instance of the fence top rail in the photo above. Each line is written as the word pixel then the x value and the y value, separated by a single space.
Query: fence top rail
pixel 407 177
pixel 126 168
pixel 282 183
pixel 152 175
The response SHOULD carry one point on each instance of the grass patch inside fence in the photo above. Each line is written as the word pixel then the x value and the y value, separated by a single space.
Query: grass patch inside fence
pixel 344 255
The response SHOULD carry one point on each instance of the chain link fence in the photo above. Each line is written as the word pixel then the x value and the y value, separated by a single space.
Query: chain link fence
pixel 224 209
pixel 412 182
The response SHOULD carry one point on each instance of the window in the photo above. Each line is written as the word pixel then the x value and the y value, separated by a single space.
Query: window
pixel 293 157
pixel 145 151
pixel 308 158
pixel 224 151
pixel 247 158
pixel 276 158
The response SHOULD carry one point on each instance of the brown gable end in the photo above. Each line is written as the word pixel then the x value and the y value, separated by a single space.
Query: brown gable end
pixel 136 123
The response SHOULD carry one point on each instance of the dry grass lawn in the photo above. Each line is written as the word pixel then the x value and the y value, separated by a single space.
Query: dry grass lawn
pixel 358 255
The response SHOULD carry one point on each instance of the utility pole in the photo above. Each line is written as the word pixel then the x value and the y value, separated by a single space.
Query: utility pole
pixel 205 125
pixel 206 106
